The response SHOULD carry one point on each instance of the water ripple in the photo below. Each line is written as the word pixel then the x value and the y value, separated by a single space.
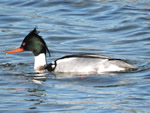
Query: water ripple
pixel 115 28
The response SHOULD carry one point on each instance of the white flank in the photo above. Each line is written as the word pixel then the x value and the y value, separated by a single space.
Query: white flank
pixel 39 61
pixel 110 68
pixel 88 65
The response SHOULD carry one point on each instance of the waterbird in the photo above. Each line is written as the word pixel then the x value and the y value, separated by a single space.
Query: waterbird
pixel 79 63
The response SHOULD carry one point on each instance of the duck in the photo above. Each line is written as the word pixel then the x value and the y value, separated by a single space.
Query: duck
pixel 86 63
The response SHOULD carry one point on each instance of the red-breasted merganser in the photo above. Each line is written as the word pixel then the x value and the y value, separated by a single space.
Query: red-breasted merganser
pixel 81 63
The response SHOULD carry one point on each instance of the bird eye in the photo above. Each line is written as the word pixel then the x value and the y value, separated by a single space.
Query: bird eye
pixel 23 43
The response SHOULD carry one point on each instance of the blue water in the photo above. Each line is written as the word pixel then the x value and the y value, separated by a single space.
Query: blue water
pixel 116 28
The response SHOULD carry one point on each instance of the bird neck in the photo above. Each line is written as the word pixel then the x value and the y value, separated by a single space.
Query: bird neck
pixel 39 62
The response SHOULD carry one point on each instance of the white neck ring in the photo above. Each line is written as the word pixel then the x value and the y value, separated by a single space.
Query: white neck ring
pixel 39 61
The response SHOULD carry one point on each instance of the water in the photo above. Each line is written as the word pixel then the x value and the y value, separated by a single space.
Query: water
pixel 117 28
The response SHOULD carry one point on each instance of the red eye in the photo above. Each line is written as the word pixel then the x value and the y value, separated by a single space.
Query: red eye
pixel 23 43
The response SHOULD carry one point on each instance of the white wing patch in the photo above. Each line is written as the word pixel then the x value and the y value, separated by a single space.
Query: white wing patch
pixel 65 60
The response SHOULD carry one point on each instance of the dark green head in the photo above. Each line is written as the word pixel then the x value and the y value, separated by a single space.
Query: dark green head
pixel 35 43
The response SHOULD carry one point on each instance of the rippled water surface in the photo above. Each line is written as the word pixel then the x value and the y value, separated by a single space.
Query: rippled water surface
pixel 117 28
